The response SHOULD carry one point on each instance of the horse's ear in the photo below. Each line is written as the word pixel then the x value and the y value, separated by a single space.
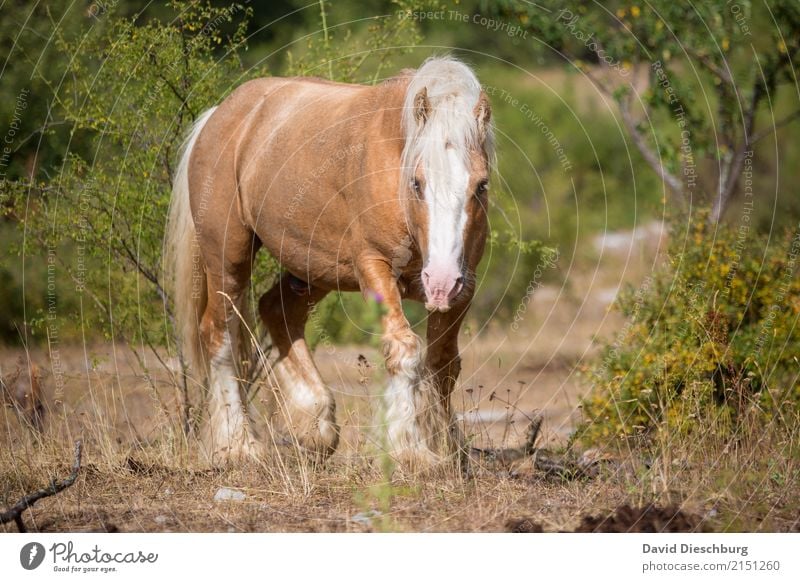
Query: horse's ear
pixel 483 113
pixel 421 106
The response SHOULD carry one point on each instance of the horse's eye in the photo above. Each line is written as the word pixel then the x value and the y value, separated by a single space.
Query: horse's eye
pixel 417 187
pixel 483 187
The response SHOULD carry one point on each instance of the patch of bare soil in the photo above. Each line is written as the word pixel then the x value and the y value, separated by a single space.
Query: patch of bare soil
pixel 647 519
pixel 625 519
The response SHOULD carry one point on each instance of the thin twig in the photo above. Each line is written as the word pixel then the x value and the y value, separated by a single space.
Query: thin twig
pixel 773 128
pixel 652 158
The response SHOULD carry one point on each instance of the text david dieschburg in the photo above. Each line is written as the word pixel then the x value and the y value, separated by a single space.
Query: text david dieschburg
pixel 694 549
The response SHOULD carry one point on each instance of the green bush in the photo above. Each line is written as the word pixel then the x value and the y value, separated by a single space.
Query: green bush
pixel 97 220
pixel 711 335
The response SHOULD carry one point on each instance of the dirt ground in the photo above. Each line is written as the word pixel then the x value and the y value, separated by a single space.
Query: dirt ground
pixel 139 475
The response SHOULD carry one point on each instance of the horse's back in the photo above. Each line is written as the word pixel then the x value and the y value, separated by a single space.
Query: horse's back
pixel 274 116
pixel 291 99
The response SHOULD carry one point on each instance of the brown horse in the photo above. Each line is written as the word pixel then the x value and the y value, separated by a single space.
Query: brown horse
pixel 379 189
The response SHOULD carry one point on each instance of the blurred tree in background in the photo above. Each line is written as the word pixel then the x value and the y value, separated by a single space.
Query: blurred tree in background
pixel 94 211
pixel 712 72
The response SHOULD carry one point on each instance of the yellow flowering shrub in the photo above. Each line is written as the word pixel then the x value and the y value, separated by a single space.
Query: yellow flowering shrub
pixel 714 331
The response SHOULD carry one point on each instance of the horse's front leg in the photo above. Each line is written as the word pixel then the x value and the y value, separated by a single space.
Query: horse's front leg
pixel 415 423
pixel 442 361
pixel 443 364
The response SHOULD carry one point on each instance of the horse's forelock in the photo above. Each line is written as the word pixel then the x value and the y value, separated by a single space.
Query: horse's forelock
pixel 452 91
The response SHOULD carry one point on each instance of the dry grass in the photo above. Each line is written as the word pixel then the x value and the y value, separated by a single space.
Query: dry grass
pixel 750 489
pixel 141 474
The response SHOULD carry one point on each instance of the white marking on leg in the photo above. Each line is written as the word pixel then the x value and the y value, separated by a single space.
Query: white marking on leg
pixel 310 407
pixel 407 417
pixel 298 392
pixel 228 421
pixel 401 427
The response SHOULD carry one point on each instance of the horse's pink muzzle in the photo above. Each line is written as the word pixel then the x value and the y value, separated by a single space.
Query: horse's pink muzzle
pixel 441 287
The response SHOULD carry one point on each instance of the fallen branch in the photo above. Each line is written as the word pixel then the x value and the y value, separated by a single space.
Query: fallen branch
pixel 560 467
pixel 15 512
pixel 514 454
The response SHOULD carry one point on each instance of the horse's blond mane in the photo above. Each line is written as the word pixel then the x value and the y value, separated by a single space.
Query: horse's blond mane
pixel 453 91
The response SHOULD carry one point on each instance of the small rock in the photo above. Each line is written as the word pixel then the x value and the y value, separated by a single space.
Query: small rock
pixel 161 519
pixel 365 517
pixel 226 494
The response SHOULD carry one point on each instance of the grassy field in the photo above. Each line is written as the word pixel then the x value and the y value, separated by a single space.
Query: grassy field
pixel 140 474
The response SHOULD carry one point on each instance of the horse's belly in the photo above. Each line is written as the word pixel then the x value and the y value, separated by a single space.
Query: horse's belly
pixel 323 264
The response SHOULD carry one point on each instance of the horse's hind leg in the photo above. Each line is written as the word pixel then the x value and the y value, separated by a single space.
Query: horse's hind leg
pixel 228 432
pixel 309 403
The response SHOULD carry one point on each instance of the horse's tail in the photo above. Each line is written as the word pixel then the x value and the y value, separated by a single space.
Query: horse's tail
pixel 185 270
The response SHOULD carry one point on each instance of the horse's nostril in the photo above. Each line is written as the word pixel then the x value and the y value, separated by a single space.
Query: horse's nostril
pixel 457 286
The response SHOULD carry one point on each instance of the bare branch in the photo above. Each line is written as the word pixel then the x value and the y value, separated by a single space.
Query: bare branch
pixel 595 80
pixel 722 73
pixel 14 513
pixel 147 274
pixel 649 155
pixel 178 95
pixel 729 174
pixel 528 448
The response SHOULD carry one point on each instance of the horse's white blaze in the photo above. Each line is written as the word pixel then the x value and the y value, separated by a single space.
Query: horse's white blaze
pixel 446 199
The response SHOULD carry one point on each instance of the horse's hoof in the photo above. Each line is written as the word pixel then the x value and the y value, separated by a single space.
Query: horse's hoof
pixel 318 444
pixel 237 453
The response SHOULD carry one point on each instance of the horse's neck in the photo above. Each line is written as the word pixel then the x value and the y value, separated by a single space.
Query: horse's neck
pixel 383 141
pixel 384 132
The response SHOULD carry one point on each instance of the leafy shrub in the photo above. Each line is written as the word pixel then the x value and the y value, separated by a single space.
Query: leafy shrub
pixel 711 335
pixel 97 220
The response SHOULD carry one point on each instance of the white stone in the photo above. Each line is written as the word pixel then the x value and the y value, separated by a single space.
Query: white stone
pixel 226 494
pixel 365 517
